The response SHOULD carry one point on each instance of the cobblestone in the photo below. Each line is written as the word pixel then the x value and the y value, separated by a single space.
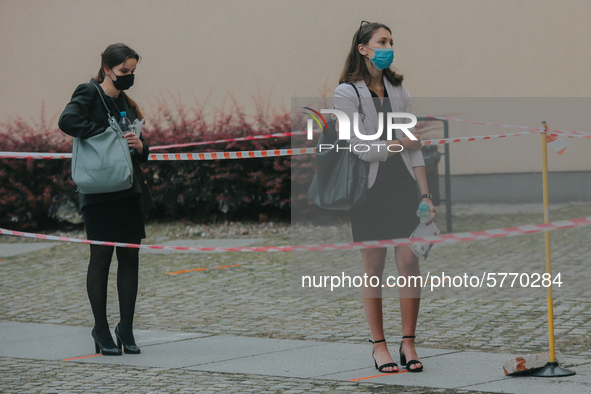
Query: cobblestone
pixel 48 286
pixel 30 376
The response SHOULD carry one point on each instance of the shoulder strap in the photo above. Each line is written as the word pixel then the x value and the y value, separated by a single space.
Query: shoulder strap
pixel 103 100
pixel 358 98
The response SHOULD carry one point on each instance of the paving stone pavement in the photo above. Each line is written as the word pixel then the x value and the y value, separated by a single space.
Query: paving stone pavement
pixel 254 299
pixel 26 376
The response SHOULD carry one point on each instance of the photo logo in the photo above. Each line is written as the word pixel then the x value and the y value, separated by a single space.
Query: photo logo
pixel 345 127
pixel 315 115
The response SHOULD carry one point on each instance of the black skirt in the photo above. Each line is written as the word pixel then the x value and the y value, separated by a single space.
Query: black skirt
pixel 390 209
pixel 392 201
pixel 120 220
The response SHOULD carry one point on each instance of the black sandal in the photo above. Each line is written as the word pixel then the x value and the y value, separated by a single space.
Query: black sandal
pixel 383 366
pixel 410 362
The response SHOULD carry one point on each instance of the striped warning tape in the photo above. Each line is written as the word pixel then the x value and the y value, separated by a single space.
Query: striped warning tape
pixel 574 132
pixel 249 138
pixel 476 138
pixel 175 156
pixel 570 134
pixel 437 239
pixel 280 135
pixel 232 155
pixel 34 155
pixel 587 137
pixel 269 152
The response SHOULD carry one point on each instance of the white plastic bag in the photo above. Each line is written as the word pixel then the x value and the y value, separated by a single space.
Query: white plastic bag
pixel 423 230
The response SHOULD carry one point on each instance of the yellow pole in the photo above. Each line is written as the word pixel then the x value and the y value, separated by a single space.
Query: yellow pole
pixel 547 241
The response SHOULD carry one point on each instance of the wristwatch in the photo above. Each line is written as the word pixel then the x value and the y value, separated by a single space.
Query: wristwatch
pixel 428 195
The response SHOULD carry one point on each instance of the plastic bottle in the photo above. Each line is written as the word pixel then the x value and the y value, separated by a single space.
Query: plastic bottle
pixel 423 212
pixel 423 230
pixel 126 126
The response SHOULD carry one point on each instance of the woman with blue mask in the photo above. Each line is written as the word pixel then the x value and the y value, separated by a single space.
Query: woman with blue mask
pixel 397 182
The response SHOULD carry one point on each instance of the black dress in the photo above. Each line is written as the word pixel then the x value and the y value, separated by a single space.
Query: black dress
pixel 390 209
pixel 117 216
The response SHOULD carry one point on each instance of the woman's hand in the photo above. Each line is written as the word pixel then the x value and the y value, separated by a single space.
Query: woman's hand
pixel 407 143
pixel 134 142
pixel 396 149
pixel 432 210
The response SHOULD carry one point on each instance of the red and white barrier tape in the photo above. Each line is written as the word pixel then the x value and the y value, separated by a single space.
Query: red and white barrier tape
pixel 232 155
pixel 249 138
pixel 572 132
pixel 446 238
pixel 587 137
pixel 569 133
pixel 176 156
pixel 476 138
pixel 34 155
pixel 270 152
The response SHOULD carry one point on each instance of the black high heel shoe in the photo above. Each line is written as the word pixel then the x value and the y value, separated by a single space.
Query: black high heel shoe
pixel 383 366
pixel 105 351
pixel 410 362
pixel 129 348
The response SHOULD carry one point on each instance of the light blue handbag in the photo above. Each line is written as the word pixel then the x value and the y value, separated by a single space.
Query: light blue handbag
pixel 102 163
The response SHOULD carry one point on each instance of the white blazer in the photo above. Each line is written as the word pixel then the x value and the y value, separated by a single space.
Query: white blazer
pixel 345 99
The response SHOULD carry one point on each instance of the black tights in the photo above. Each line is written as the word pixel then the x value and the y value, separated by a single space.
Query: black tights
pixel 127 284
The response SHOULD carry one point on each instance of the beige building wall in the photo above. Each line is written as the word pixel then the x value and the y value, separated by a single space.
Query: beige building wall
pixel 455 48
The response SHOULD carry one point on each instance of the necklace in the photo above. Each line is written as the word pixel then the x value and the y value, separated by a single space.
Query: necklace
pixel 115 104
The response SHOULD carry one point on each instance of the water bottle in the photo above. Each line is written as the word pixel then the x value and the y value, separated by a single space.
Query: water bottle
pixel 423 212
pixel 423 230
pixel 126 126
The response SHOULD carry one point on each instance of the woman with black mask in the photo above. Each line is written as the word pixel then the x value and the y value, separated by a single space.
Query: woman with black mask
pixel 116 216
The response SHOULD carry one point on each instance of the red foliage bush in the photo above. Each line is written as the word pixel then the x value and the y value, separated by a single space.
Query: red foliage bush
pixel 32 190
pixel 234 189
pixel 243 189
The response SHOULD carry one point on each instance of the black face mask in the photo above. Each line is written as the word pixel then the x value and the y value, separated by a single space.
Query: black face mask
pixel 123 82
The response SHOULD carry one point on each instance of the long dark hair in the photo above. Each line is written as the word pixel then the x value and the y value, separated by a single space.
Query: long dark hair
pixel 355 68
pixel 116 54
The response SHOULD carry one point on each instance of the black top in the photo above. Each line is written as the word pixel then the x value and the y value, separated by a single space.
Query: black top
pixel 119 104
pixel 393 169
pixel 85 116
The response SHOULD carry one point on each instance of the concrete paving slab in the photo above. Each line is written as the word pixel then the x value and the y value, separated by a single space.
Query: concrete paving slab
pixel 200 351
pixel 43 341
pixel 14 249
pixel 316 359
pixel 453 370
pixel 150 338
pixel 322 359
pixel 579 384
pixel 204 243
pixel 444 369
pixel 368 369
pixel 57 342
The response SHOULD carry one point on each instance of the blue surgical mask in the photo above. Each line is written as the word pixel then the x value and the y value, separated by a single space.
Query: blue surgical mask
pixel 382 57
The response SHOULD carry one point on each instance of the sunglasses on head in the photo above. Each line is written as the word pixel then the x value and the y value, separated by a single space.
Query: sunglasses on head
pixel 359 30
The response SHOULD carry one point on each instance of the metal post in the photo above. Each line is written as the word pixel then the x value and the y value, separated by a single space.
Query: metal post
pixel 447 171
pixel 447 179
pixel 551 369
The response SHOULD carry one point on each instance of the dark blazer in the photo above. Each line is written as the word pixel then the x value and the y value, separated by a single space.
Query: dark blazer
pixel 85 116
